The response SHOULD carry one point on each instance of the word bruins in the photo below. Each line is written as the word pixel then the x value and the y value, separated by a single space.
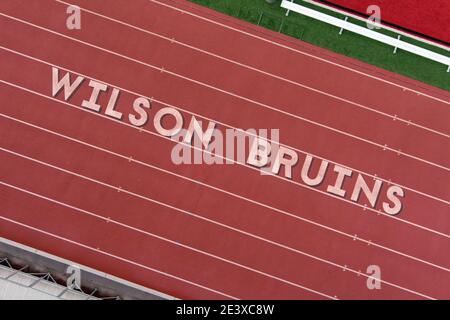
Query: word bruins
pixel 216 145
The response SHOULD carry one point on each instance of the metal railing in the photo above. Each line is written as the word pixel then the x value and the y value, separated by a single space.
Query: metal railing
pixel 345 25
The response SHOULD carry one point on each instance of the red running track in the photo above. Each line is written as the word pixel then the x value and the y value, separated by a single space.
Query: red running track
pixel 114 201
pixel 430 18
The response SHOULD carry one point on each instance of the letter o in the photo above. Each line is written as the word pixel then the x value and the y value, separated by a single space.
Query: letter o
pixel 165 112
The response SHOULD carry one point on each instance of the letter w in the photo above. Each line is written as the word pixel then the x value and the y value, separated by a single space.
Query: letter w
pixel 69 88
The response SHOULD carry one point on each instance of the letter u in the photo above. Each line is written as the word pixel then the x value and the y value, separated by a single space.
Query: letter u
pixel 320 175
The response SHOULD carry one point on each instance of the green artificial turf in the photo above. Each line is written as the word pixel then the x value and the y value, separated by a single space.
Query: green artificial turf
pixel 272 16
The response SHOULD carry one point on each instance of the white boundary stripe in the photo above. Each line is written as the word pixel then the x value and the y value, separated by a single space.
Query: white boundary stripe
pixel 222 123
pixel 223 191
pixel 359 105
pixel 161 69
pixel 173 242
pixel 87 269
pixel 344 268
pixel 118 258
pixel 297 51
pixel 379 212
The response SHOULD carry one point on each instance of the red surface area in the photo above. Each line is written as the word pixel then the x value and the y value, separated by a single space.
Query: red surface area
pixel 430 18
pixel 102 193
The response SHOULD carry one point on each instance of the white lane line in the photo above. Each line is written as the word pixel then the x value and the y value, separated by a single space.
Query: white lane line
pixel 263 105
pixel 243 65
pixel 206 219
pixel 173 242
pixel 379 212
pixel 299 51
pixel 118 258
pixel 289 214
pixel 224 124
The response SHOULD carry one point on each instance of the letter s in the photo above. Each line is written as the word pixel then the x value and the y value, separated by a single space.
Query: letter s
pixel 138 105
pixel 392 193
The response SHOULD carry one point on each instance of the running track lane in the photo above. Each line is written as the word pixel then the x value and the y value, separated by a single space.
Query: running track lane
pixel 290 98
pixel 351 145
pixel 47 91
pixel 415 207
pixel 347 142
pixel 133 22
pixel 307 199
pixel 60 149
pixel 204 207
pixel 259 43
pixel 225 243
